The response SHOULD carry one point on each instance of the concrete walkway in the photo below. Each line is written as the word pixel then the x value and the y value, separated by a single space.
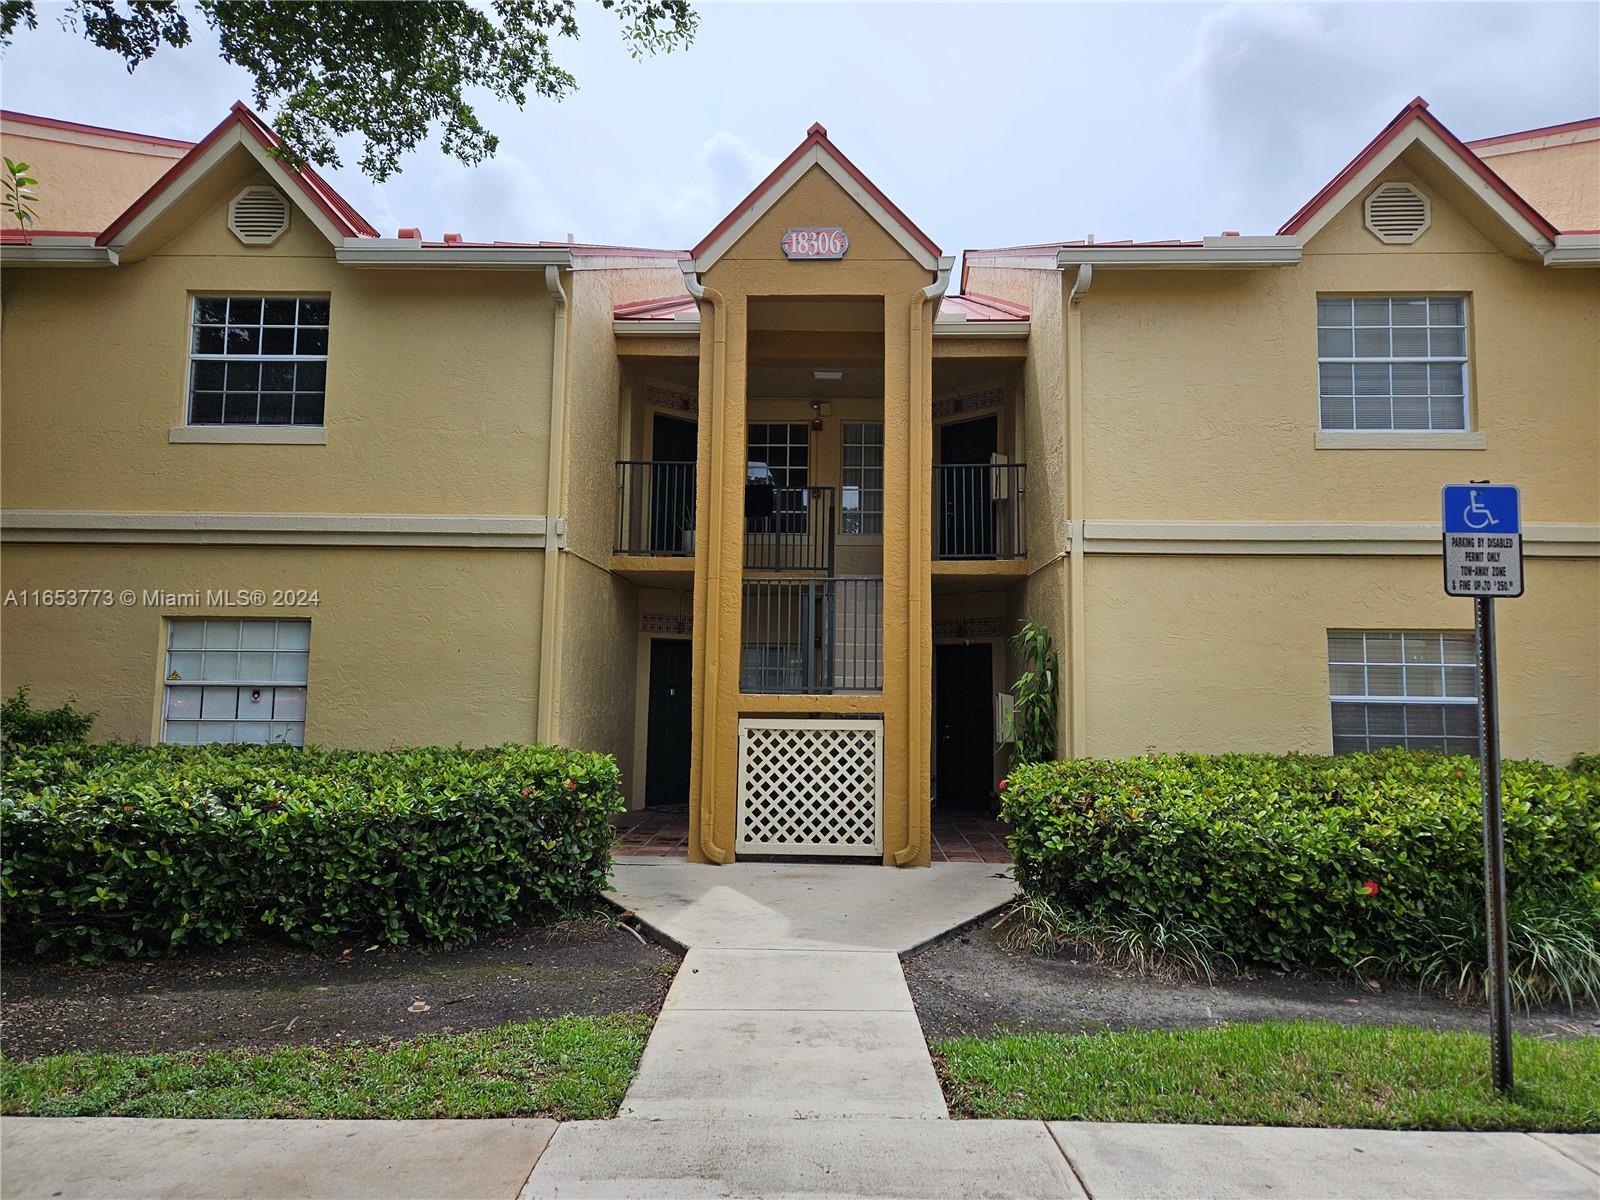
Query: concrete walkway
pixel 117 1159
pixel 790 1002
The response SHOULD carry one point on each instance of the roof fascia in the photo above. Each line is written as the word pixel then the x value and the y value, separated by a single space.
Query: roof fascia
pixel 57 252
pixel 1213 252
pixel 1574 250
pixel 679 327
pixel 172 190
pixel 816 155
pixel 410 253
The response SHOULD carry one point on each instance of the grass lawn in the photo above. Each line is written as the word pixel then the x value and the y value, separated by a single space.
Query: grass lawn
pixel 568 1068
pixel 1275 1074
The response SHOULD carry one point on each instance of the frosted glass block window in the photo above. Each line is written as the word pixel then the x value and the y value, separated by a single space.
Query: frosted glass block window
pixel 1394 363
pixel 1417 690
pixel 233 680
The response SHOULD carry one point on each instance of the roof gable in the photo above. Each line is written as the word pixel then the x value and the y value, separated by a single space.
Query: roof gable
pixel 1415 126
pixel 815 151
pixel 242 130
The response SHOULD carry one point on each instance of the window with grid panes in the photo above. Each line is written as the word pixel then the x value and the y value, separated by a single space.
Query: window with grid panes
pixel 258 360
pixel 235 681
pixel 861 503
pixel 1396 363
pixel 1417 690
pixel 785 448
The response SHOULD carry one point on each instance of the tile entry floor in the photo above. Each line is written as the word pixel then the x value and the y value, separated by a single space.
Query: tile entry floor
pixel 664 833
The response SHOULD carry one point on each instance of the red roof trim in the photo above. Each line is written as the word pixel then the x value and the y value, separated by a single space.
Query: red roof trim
pixel 979 307
pixel 9 114
pixel 24 236
pixel 1542 131
pixel 317 189
pixel 634 251
pixel 816 136
pixel 1417 110
pixel 663 308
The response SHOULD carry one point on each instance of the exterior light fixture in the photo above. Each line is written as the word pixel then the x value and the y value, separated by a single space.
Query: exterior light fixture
pixel 832 375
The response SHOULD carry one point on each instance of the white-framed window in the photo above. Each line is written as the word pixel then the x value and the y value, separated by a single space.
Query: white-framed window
pixel 861 474
pixel 258 360
pixel 1396 363
pixel 233 680
pixel 1413 689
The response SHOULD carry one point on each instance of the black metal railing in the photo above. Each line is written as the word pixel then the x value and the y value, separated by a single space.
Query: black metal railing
pixel 655 508
pixel 978 511
pixel 810 635
pixel 788 529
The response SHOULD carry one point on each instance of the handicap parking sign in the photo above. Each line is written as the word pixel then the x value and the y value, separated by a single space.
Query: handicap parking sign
pixel 1482 540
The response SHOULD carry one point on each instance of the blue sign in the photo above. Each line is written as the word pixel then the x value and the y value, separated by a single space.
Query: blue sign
pixel 1482 540
pixel 1493 508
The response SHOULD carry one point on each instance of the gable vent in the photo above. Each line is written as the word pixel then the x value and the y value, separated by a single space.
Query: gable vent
pixel 258 216
pixel 1397 213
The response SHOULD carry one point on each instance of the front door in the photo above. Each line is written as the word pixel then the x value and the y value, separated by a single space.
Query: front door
pixel 672 454
pixel 666 774
pixel 964 749
pixel 966 527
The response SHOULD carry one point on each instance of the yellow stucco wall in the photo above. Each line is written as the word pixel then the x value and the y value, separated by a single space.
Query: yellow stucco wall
pixel 1562 182
pixel 444 368
pixel 82 187
pixel 1202 385
pixel 1216 653
pixel 755 267
pixel 408 646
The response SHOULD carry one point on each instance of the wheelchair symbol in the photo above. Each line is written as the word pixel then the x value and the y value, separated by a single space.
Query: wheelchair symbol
pixel 1475 515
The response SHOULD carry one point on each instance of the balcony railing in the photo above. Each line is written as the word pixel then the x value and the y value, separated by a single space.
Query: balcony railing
pixel 788 529
pixel 978 511
pixel 655 508
pixel 812 635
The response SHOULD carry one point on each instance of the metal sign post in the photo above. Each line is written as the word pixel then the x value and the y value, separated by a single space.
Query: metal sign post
pixel 1483 559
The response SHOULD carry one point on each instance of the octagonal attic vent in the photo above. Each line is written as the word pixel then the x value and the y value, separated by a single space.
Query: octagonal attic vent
pixel 1397 213
pixel 259 216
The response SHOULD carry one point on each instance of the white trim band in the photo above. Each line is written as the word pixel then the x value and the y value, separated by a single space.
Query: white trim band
pixel 1410 539
pixel 71 526
pixel 249 435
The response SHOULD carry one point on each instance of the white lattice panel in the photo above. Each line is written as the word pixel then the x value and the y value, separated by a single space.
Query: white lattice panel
pixel 810 787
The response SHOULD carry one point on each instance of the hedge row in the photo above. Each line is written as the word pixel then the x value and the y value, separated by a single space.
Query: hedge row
pixel 1293 861
pixel 144 851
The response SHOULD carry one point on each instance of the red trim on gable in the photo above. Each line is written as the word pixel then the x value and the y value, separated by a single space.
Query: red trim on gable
pixel 1543 131
pixel 816 136
pixel 150 139
pixel 1417 110
pixel 21 237
pixel 317 189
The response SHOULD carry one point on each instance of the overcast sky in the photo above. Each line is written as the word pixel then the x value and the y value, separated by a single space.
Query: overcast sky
pixel 988 124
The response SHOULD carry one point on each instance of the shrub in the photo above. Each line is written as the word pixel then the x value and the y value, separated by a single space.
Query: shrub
pixel 144 851
pixel 21 724
pixel 1302 861
pixel 1586 764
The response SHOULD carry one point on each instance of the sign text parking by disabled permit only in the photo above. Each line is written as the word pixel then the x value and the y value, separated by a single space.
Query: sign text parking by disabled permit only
pixel 1482 540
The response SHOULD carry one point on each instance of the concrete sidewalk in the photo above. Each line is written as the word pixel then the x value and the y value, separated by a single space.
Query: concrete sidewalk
pixel 106 1158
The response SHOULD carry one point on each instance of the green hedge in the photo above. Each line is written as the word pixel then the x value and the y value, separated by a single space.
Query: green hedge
pixel 1271 858
pixel 144 851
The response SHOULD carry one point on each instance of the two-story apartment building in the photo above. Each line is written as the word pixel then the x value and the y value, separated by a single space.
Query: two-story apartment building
pixel 758 517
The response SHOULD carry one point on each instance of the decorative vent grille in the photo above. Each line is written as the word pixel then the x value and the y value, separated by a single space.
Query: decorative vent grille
pixel 258 216
pixel 1397 213
pixel 810 787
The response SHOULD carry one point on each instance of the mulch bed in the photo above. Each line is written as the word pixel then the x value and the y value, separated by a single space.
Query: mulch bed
pixel 262 995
